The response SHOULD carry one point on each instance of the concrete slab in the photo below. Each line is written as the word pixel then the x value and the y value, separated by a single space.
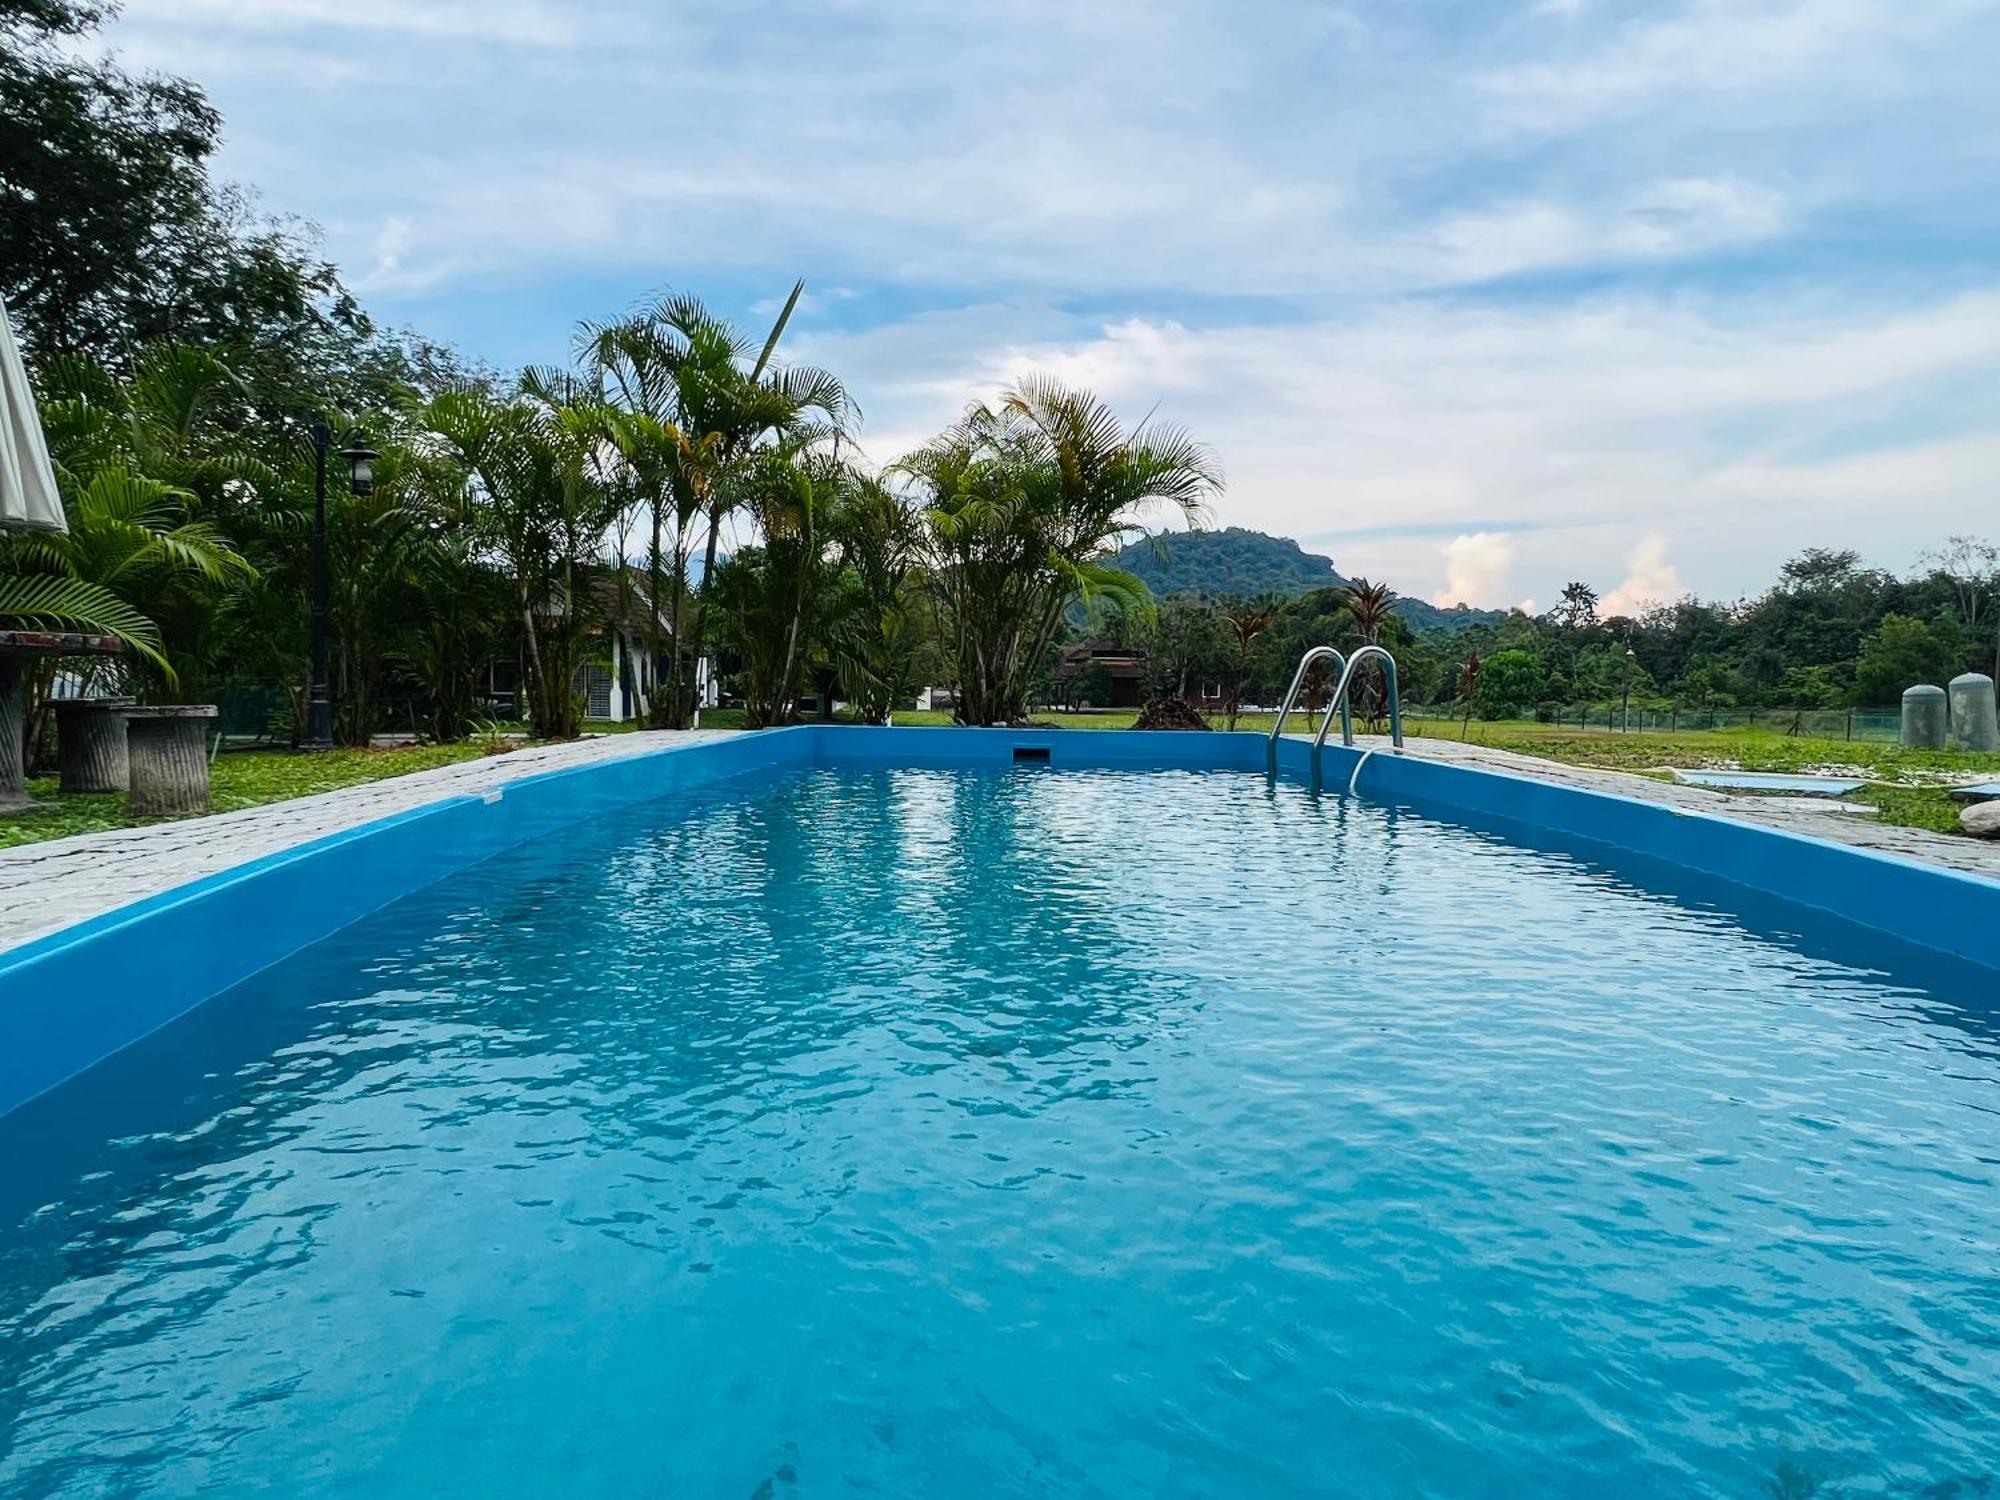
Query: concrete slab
pixel 1771 781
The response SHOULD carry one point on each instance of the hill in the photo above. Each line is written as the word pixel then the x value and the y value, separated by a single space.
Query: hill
pixel 1236 563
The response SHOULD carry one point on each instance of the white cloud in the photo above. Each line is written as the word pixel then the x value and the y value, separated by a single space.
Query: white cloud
pixel 1475 569
pixel 1720 246
pixel 1651 581
pixel 1676 217
pixel 1759 48
pixel 1272 153
pixel 518 21
pixel 1736 438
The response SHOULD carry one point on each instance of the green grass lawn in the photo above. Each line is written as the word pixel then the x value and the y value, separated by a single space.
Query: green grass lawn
pixel 1744 749
pixel 242 778
pixel 1908 786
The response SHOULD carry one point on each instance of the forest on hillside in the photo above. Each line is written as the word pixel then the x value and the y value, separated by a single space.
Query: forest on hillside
pixel 1830 632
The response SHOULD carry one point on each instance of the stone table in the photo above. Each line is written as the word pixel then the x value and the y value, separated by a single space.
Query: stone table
pixel 90 743
pixel 167 752
pixel 18 649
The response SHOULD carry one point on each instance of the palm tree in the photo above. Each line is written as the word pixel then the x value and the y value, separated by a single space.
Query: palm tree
pixel 128 543
pixel 1247 622
pixel 1024 502
pixel 1576 613
pixel 779 597
pixel 1370 606
pixel 876 635
pixel 690 405
pixel 527 471
pixel 128 537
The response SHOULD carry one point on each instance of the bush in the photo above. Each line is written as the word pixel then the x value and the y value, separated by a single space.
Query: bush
pixel 1169 713
pixel 1508 682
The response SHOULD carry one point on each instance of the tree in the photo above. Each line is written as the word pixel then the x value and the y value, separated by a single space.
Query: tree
pixel 1023 503
pixel 1187 640
pixel 877 637
pixel 1509 683
pixel 100 168
pixel 1902 652
pixel 112 236
pixel 1578 607
pixel 691 407
pixel 1246 623
pixel 526 470
pixel 777 597
pixel 1370 605
pixel 1972 566
pixel 146 557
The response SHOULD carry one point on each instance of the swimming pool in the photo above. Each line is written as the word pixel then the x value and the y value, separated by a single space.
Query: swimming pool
pixel 987 1130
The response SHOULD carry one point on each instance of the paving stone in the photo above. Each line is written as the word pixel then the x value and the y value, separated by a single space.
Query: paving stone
pixel 1919 844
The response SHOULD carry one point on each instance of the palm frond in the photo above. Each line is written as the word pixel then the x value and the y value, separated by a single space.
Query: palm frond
pixel 50 600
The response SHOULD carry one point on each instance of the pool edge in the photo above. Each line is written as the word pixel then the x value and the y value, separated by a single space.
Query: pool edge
pixel 71 998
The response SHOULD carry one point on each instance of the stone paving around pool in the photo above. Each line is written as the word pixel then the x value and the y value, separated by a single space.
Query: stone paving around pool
pixel 1793 814
pixel 47 886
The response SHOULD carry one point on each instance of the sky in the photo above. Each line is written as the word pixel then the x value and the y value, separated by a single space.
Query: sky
pixel 1477 298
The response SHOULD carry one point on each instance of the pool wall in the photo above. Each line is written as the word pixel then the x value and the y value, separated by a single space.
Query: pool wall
pixel 76 996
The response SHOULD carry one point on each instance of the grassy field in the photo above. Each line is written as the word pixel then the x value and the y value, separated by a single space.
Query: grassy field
pixel 242 778
pixel 1907 785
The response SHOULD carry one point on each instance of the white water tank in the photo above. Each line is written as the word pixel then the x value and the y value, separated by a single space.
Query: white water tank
pixel 1972 722
pixel 1924 717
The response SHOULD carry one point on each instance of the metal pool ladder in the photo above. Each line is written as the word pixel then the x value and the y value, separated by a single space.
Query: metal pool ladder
pixel 1341 701
pixel 1292 695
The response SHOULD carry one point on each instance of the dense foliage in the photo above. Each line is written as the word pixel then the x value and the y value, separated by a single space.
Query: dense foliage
pixel 1830 633
pixel 1229 563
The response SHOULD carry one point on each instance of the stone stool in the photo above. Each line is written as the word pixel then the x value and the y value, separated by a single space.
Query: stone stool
pixel 167 749
pixel 90 743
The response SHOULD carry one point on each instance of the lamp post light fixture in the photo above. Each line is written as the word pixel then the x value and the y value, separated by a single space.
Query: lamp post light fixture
pixel 361 479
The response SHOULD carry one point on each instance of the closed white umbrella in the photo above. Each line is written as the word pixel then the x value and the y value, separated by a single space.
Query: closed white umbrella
pixel 28 498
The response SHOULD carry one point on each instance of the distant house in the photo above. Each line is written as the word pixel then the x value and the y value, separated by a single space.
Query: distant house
pixel 617 687
pixel 1101 676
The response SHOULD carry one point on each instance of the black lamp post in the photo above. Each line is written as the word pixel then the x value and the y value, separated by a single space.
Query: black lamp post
pixel 1626 709
pixel 361 477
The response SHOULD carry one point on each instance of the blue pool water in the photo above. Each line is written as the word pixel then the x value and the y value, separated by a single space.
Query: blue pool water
pixel 988 1133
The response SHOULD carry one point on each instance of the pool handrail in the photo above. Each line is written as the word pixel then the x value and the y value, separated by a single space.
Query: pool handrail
pixel 1340 701
pixel 1292 693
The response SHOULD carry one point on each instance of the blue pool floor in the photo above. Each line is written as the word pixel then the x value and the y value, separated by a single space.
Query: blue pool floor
pixel 989 1133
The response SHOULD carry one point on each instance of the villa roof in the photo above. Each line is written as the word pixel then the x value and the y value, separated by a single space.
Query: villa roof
pixel 622 601
pixel 1120 662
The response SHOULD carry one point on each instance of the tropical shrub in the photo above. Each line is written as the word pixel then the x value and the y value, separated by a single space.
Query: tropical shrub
pixel 1023 503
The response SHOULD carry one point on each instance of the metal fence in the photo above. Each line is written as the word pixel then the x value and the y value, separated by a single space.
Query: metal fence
pixel 1808 723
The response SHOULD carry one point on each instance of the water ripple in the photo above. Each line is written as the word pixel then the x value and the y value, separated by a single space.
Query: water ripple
pixel 1080 1134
